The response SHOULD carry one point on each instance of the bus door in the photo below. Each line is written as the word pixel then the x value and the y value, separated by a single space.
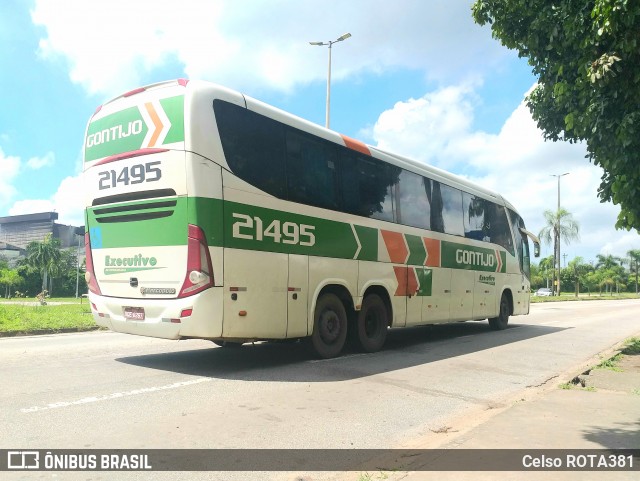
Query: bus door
pixel 435 308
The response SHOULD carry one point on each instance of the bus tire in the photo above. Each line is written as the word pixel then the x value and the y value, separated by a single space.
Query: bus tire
pixel 227 344
pixel 329 326
pixel 372 323
pixel 499 323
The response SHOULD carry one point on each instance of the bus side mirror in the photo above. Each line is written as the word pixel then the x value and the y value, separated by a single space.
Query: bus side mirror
pixel 536 250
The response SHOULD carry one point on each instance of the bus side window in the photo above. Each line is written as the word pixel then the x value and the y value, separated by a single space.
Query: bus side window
pixel 413 201
pixel 451 212
pixel 474 216
pixel 368 186
pixel 311 171
pixel 253 146
pixel 498 226
pixel 522 243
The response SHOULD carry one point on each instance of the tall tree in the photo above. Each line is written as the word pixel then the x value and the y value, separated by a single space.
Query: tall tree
pixel 634 256
pixel 43 256
pixel 562 226
pixel 547 265
pixel 587 59
pixel 579 270
pixel 607 261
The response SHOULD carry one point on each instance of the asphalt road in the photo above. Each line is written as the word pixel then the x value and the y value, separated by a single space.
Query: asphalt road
pixel 103 390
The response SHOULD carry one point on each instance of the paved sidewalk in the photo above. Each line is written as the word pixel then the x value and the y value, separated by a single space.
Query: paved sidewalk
pixel 604 414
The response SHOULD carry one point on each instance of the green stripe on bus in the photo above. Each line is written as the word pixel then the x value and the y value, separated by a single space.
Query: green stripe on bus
pixel 417 251
pixel 261 229
pixel 208 215
pixel 368 237
pixel 242 226
pixel 132 229
pixel 174 108
pixel 425 278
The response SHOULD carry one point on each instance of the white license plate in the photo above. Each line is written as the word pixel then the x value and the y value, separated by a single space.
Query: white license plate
pixel 134 313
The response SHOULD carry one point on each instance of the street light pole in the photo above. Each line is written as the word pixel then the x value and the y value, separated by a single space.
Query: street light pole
pixel 557 233
pixel 329 44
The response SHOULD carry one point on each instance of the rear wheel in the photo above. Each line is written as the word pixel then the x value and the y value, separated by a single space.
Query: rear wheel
pixel 500 322
pixel 372 323
pixel 329 326
pixel 227 344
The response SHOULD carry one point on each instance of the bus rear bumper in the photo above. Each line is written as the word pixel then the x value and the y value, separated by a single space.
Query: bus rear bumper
pixel 198 316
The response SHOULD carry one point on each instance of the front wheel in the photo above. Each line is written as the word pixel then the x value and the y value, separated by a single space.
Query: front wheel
pixel 499 323
pixel 329 327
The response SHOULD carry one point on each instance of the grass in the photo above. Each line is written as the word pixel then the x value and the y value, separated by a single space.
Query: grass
pixel 632 348
pixel 611 363
pixel 18 318
pixel 571 296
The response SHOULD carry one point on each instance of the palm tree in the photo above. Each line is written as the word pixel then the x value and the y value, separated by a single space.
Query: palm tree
pixel 579 270
pixel 607 261
pixel 612 271
pixel 563 227
pixel 546 265
pixel 43 256
pixel 634 255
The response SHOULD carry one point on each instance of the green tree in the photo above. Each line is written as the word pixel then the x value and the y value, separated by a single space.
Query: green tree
pixel 611 272
pixel 43 256
pixel 547 268
pixel 578 271
pixel 586 55
pixel 562 226
pixel 537 277
pixel 634 257
pixel 607 261
pixel 9 278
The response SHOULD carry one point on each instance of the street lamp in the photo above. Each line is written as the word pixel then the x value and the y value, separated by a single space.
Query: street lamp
pixel 558 176
pixel 329 44
pixel 557 233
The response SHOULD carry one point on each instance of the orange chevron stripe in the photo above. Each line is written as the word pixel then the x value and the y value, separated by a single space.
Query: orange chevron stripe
pixel 394 241
pixel 407 281
pixel 355 145
pixel 157 123
pixel 433 252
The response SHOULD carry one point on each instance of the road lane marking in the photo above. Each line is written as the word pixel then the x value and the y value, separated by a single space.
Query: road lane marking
pixel 115 395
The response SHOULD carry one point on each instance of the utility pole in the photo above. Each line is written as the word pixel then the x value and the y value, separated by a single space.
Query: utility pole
pixel 557 232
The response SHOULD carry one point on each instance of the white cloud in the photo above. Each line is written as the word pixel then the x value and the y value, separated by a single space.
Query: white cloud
pixel 68 202
pixel 9 167
pixel 111 45
pixel 37 163
pixel 517 162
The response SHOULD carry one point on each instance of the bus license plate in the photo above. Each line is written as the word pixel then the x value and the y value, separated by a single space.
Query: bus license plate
pixel 134 313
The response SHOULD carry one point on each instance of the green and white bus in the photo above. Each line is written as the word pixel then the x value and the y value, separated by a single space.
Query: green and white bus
pixel 212 215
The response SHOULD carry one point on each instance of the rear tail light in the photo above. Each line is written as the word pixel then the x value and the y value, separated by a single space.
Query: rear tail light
pixel 199 274
pixel 90 276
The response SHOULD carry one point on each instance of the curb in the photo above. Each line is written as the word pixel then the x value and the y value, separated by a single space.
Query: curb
pixel 43 332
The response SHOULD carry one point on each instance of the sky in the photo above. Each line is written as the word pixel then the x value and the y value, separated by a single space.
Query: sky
pixel 417 77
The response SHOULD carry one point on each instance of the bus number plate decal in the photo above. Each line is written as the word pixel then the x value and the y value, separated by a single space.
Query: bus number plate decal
pixel 134 313
pixel 136 174
pixel 253 228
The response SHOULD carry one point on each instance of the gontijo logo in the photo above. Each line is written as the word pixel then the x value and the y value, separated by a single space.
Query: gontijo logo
pixel 461 256
pixel 114 133
pixel 151 124
pixel 475 258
